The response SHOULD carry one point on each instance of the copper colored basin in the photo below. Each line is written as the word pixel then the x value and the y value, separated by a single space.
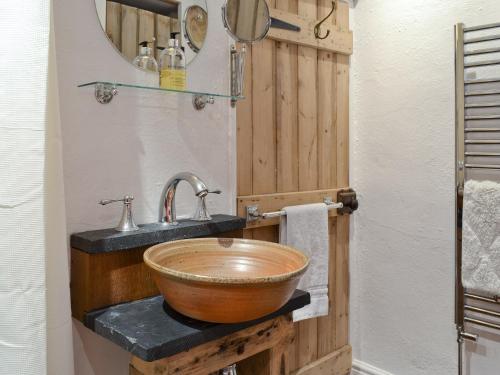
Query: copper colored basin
pixel 225 280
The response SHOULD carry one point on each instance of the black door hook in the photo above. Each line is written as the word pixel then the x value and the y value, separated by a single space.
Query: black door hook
pixel 317 28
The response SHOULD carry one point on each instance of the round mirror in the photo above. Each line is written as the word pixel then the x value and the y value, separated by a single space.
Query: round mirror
pixel 246 21
pixel 140 28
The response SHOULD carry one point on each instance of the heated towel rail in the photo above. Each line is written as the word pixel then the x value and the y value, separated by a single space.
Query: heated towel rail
pixel 477 81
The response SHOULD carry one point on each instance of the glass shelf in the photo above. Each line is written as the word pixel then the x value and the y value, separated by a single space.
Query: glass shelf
pixel 105 91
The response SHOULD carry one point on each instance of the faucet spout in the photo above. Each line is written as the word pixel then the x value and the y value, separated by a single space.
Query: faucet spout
pixel 167 213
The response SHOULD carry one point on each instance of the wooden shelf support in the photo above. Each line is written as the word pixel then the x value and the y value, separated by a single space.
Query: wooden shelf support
pixel 273 336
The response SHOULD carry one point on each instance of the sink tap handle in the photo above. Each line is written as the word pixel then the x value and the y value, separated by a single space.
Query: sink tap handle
pixel 126 200
pixel 126 223
pixel 218 191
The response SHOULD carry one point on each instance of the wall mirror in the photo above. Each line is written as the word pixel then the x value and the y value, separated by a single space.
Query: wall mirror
pixel 132 23
pixel 246 21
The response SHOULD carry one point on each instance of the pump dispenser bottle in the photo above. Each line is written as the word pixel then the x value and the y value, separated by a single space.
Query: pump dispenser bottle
pixel 145 60
pixel 173 66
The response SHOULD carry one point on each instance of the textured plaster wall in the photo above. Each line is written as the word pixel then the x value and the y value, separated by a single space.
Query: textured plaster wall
pixel 402 163
pixel 134 144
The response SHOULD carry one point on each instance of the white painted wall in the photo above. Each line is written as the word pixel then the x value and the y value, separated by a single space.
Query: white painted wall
pixel 25 108
pixel 134 144
pixel 402 252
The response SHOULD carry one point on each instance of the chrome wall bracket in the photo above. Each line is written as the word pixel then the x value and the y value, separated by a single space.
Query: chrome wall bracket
pixel 104 93
pixel 201 101
pixel 253 213
pixel 237 72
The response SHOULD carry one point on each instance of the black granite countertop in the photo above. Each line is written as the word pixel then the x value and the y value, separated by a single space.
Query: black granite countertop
pixel 151 330
pixel 108 240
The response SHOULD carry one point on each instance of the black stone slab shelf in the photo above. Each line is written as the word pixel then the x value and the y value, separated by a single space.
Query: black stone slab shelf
pixel 108 240
pixel 151 330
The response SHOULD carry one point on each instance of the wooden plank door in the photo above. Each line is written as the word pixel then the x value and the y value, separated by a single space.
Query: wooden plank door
pixel 293 130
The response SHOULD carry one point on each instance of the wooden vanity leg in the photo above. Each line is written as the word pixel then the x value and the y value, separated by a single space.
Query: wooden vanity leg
pixel 278 360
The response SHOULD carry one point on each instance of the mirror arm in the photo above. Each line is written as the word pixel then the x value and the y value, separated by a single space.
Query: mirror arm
pixel 279 24
pixel 155 6
pixel 237 72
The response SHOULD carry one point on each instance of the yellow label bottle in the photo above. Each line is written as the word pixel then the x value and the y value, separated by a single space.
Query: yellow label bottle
pixel 173 67
pixel 174 79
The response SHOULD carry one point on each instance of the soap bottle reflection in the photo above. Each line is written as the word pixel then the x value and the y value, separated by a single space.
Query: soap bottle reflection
pixel 145 59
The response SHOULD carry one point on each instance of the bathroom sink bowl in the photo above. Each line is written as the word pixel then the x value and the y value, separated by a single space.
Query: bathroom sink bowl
pixel 225 280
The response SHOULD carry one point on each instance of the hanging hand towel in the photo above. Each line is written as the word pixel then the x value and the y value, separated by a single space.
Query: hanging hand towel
pixel 306 228
pixel 481 238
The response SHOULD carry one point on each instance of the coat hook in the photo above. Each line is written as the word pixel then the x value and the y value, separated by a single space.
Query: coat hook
pixel 317 28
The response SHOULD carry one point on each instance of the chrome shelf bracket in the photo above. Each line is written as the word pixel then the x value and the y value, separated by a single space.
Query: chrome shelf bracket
pixel 104 93
pixel 201 101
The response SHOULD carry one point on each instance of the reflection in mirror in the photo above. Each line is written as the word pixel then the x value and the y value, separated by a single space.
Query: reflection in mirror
pixel 246 20
pixel 142 28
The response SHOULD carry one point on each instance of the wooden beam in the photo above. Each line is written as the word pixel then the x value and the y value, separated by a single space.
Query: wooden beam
pixel 339 41
pixel 274 334
pixel 335 363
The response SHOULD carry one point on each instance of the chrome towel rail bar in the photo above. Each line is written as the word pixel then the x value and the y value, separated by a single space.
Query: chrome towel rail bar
pixel 268 215
pixel 479 310
pixel 482 63
pixel 485 117
pixel 482 299
pixel 482 130
pixel 482 142
pixel 480 39
pixel 481 27
pixel 485 80
pixel 483 51
pixel 487 154
pixel 482 105
pixel 482 166
pixel 482 323
pixel 485 92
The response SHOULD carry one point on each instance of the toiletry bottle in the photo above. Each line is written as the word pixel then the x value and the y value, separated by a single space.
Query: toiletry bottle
pixel 173 66
pixel 145 60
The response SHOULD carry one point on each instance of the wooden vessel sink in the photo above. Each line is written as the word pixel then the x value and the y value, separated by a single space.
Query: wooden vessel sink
pixel 225 280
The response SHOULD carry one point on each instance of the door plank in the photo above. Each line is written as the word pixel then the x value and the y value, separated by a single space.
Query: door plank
pixel 307 103
pixel 114 23
pixel 129 32
pixel 146 26
pixel 162 33
pixel 245 132
pixel 327 165
pixel 327 97
pixel 264 125
pixel 307 330
pixel 342 251
pixel 343 104
pixel 286 109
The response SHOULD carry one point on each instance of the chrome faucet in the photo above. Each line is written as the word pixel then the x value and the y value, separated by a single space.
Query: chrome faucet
pixel 167 213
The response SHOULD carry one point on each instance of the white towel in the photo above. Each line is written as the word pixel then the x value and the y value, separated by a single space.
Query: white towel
pixel 481 237
pixel 306 228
